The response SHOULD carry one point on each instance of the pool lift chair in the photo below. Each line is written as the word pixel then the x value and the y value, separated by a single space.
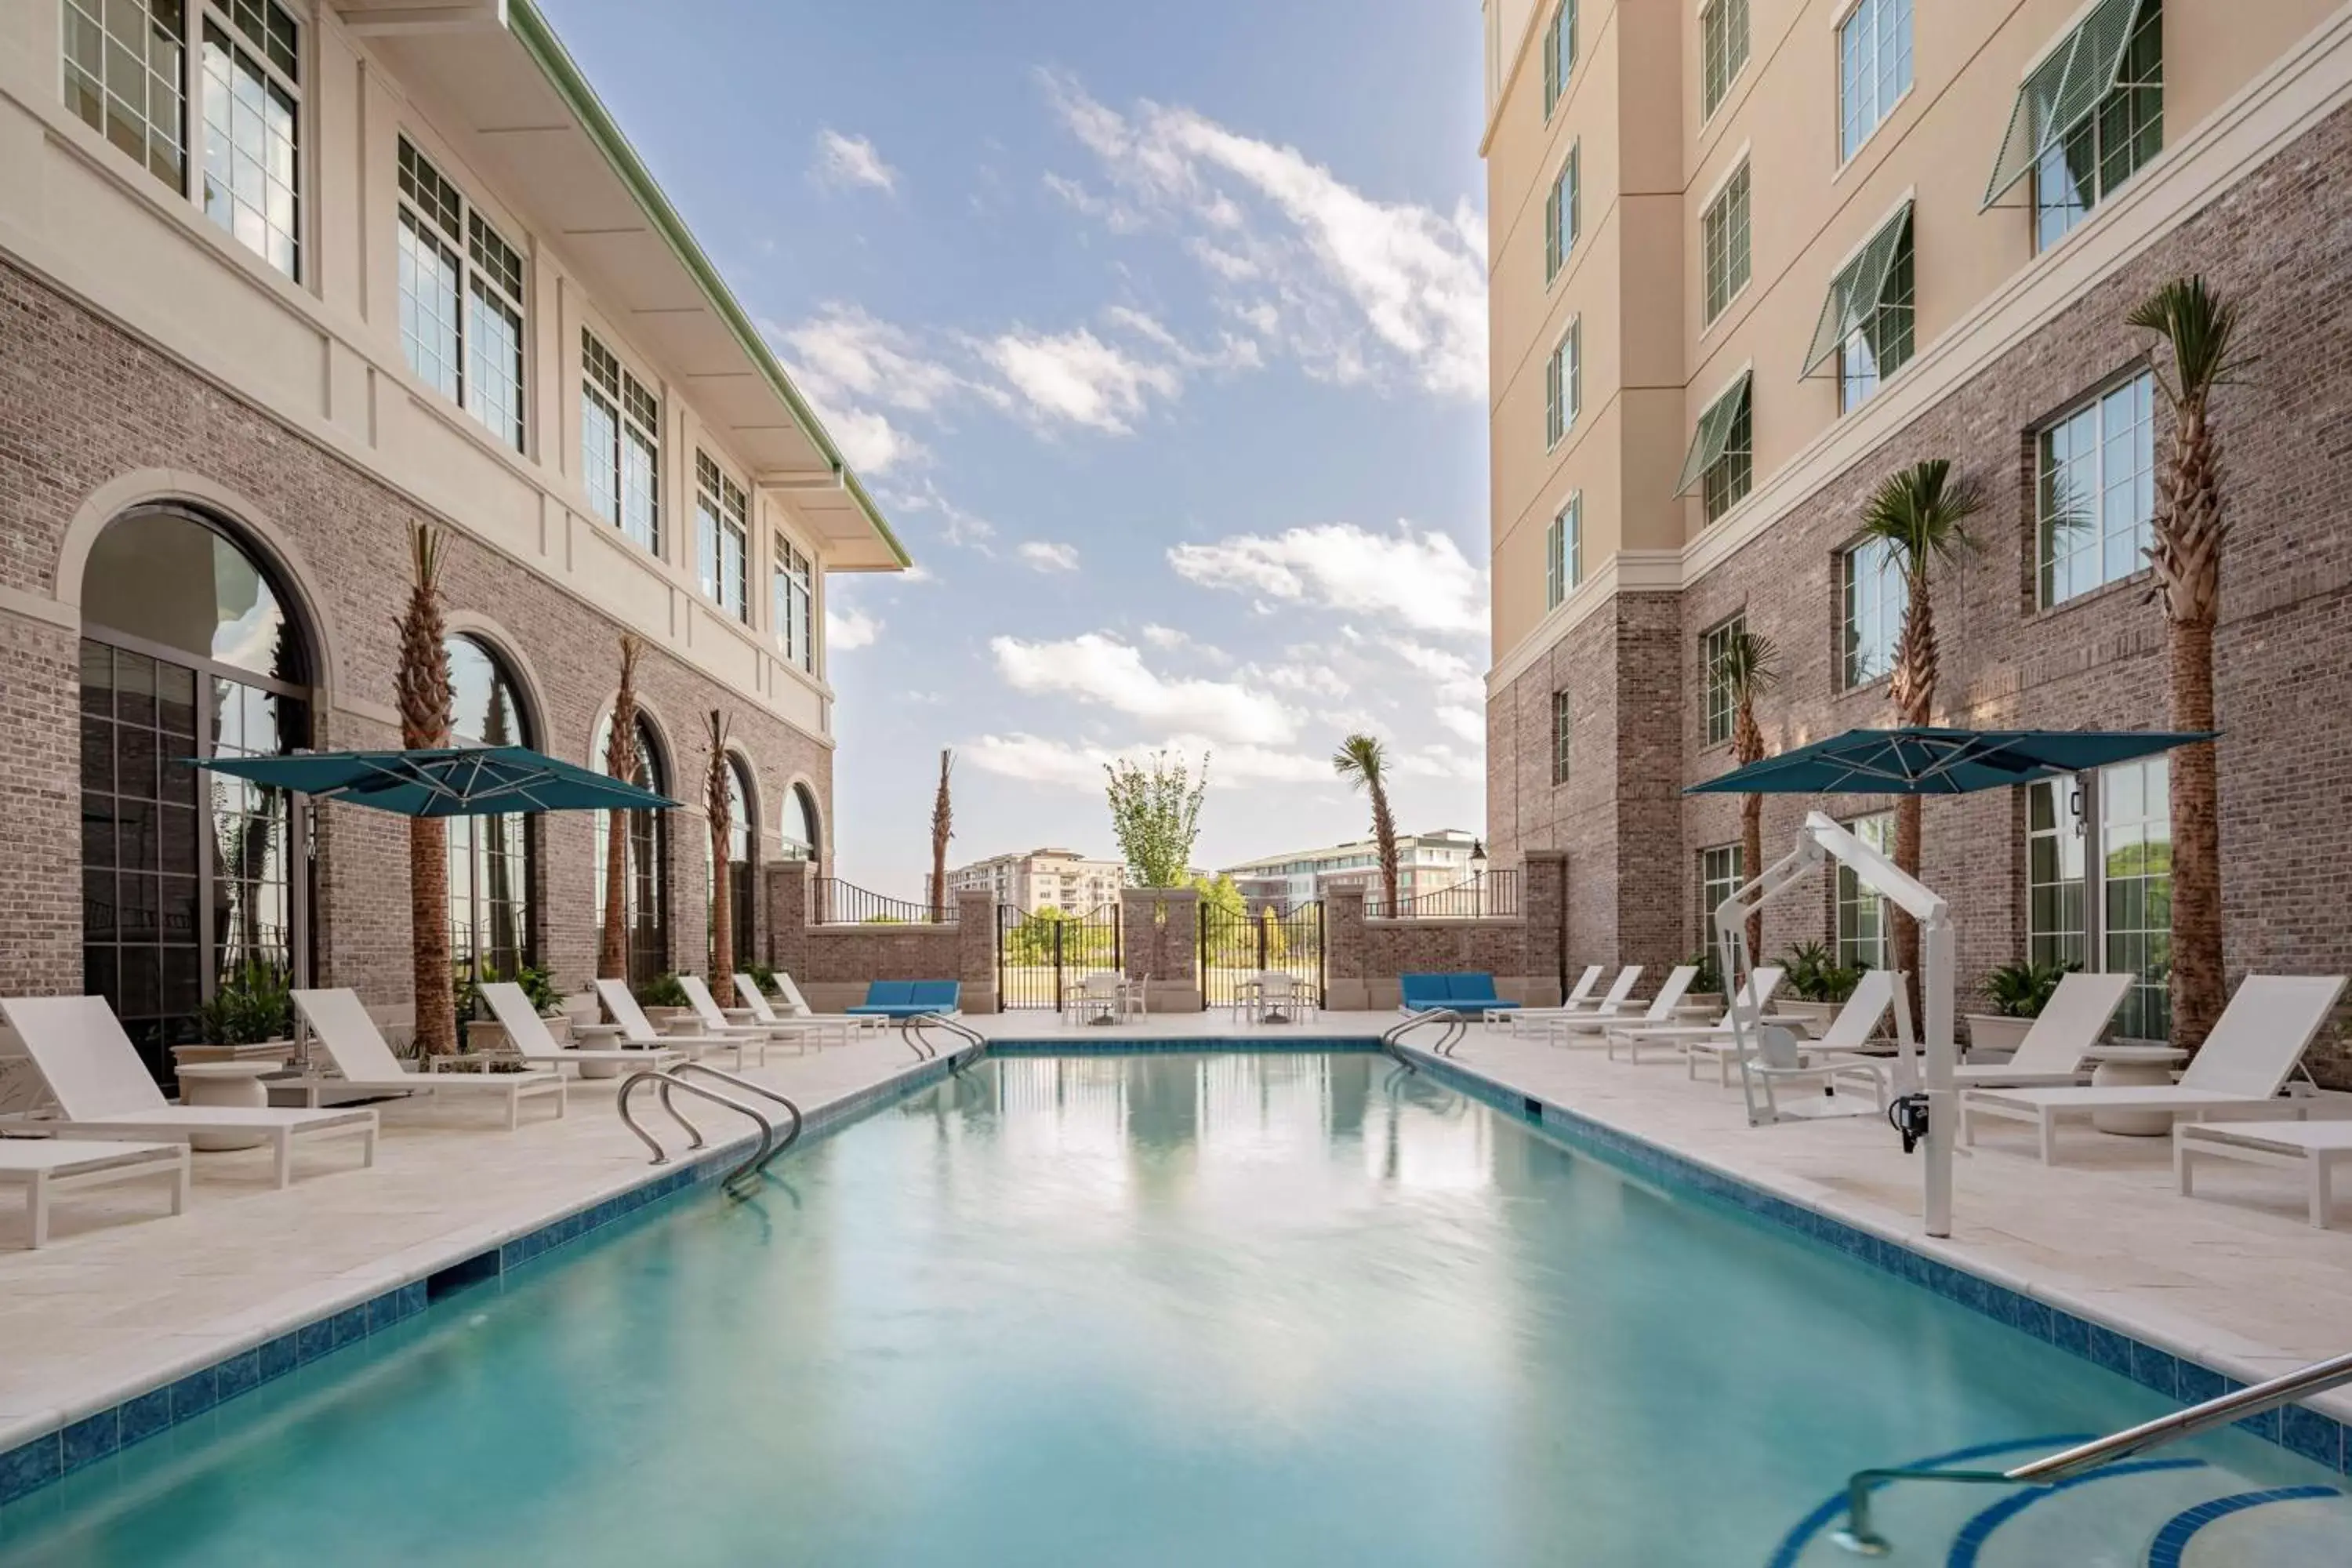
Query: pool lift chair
pixel 1924 1108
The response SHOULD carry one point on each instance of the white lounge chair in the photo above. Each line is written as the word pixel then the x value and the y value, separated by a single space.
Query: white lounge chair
pixel 44 1167
pixel 1756 996
pixel 2237 1073
pixel 1587 1028
pixel 717 1024
pixel 366 1064
pixel 1541 1020
pixel 638 1030
pixel 1826 1059
pixel 528 1033
pixel 2050 1055
pixel 820 1027
pixel 2315 1148
pixel 95 1075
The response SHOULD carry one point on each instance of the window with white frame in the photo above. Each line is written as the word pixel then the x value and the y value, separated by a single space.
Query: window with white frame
pixel 2094 497
pixel 1564 551
pixel 721 537
pixel 125 75
pixel 1722 458
pixel 1862 936
pixel 1713 648
pixel 1723 243
pixel 1867 321
pixel 1564 213
pixel 2084 168
pixel 2135 890
pixel 1559 53
pixel 2056 930
pixel 792 603
pixel 1874 69
pixel 1563 733
pixel 620 444
pixel 461 300
pixel 1722 869
pixel 1875 597
pixel 1563 384
pixel 1723 50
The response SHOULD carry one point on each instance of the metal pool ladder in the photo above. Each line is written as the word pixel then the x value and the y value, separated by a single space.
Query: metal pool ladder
pixel 671 1082
pixel 1456 1026
pixel 2235 1405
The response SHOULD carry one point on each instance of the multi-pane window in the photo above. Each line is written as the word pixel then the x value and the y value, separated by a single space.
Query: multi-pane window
pixel 1722 459
pixel 1862 909
pixel 1876 597
pixel 1721 870
pixel 1564 551
pixel 620 444
pixel 2056 930
pixel 1883 343
pixel 1722 242
pixel 722 533
pixel 792 603
pixel 1563 732
pixel 1723 50
pixel 1713 648
pixel 2082 167
pixel 1563 384
pixel 461 300
pixel 1874 69
pixel 2136 888
pixel 2095 496
pixel 1564 213
pixel 1559 53
pixel 126 76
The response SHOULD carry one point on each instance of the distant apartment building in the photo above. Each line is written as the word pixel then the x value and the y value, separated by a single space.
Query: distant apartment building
pixel 277 279
pixel 1042 880
pixel 1426 863
pixel 1747 257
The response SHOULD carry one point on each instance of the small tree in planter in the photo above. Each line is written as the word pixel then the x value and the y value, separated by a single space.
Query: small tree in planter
pixel 2018 993
pixel 252 1007
pixel 1820 982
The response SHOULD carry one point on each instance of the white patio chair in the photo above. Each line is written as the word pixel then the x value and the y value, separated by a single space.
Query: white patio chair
pixel 1548 1020
pixel 822 1027
pixel 364 1063
pixel 2050 1054
pixel 528 1033
pixel 1755 995
pixel 638 1030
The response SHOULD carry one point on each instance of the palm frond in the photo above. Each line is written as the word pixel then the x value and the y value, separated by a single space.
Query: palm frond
pixel 1921 514
pixel 2199 326
pixel 1362 760
pixel 1749 664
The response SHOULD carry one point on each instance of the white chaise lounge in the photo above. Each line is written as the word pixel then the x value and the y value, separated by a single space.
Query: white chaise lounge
pixel 1586 1028
pixel 1829 1057
pixel 104 1090
pixel 44 1167
pixel 716 1025
pixel 2050 1055
pixel 1549 1020
pixel 1755 995
pixel 2237 1074
pixel 2315 1148
pixel 364 1064
pixel 818 1026
pixel 527 1032
pixel 638 1030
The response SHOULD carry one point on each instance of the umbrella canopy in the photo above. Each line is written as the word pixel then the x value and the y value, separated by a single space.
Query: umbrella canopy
pixel 1921 760
pixel 458 781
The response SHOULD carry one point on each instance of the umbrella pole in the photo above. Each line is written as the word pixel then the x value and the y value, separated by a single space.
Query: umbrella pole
pixel 1943 1097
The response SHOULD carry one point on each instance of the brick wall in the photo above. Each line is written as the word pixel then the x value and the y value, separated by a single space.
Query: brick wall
pixel 1363 958
pixel 1160 938
pixel 833 964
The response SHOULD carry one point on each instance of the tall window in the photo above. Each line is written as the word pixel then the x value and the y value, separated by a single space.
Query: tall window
pixel 1874 69
pixel 644 878
pixel 1564 551
pixel 1563 732
pixel 1875 597
pixel 1722 459
pixel 2056 927
pixel 1881 344
pixel 1862 911
pixel 1559 53
pixel 1723 50
pixel 721 537
pixel 1721 870
pixel 126 76
pixel 2131 885
pixel 489 857
pixel 1564 213
pixel 2082 167
pixel 461 300
pixel 1712 648
pixel 1722 242
pixel 799 827
pixel 1564 384
pixel 792 593
pixel 620 444
pixel 2095 497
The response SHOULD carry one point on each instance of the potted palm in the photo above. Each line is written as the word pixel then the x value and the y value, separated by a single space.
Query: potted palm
pixel 486 1034
pixel 2018 993
pixel 1816 985
pixel 664 1001
pixel 248 1018
pixel 1706 987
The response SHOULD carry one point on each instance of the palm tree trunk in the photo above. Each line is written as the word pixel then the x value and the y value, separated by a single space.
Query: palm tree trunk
pixel 1751 862
pixel 2198 979
pixel 1914 690
pixel 620 762
pixel 421 682
pixel 720 806
pixel 1384 839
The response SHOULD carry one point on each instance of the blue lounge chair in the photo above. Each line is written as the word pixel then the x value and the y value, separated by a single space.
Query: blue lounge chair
pixel 1472 996
pixel 909 999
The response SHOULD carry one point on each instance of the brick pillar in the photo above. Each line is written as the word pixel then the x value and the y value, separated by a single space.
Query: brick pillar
pixel 1159 936
pixel 1543 906
pixel 1344 955
pixel 788 902
pixel 976 950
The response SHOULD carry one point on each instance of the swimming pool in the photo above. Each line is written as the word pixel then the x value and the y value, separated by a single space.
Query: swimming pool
pixel 1153 1309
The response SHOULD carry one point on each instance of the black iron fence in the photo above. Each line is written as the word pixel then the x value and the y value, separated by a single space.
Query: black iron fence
pixel 1042 958
pixel 1236 945
pixel 833 901
pixel 1491 895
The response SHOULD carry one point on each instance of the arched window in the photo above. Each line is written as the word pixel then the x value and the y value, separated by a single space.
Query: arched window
pixel 189 648
pixel 645 888
pixel 489 857
pixel 800 826
pixel 743 857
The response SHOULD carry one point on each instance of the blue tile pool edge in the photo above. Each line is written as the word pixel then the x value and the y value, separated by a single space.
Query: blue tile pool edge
pixel 2304 1432
pixel 50 1457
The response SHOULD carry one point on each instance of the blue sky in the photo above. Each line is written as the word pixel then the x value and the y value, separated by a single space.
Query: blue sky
pixel 1160 332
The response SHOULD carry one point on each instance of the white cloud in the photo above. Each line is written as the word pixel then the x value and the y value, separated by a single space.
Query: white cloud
pixel 850 161
pixel 867 439
pixel 844 351
pixel 956 526
pixel 845 628
pixel 1047 556
pixel 1468 723
pixel 1456 678
pixel 1166 637
pixel 1077 377
pixel 1101 670
pixel 1035 759
pixel 1356 276
pixel 1421 579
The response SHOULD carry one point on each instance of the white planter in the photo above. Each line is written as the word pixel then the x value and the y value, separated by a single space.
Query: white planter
pixel 1994 1039
pixel 1817 1014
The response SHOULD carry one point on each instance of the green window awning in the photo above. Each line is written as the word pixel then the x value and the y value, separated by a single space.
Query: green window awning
pixel 1856 290
pixel 2062 91
pixel 1714 433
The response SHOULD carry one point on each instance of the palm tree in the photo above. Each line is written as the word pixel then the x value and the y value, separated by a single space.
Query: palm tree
pixel 2190 530
pixel 1749 666
pixel 717 804
pixel 942 829
pixel 1920 513
pixel 422 685
pixel 1363 762
pixel 620 762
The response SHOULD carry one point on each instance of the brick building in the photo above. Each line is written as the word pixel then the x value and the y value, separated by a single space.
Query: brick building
pixel 277 279
pixel 1749 257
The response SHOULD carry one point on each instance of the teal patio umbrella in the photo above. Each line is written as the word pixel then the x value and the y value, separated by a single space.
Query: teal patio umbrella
pixel 452 781
pixel 1924 761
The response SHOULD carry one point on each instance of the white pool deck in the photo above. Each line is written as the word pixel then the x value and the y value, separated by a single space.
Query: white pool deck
pixel 125 1299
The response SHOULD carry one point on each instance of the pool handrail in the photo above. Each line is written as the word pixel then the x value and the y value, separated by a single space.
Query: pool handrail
pixel 669 1082
pixel 2235 1405
pixel 1456 1026
pixel 911 1027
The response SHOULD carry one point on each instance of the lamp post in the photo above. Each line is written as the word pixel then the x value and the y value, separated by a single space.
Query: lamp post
pixel 1477 875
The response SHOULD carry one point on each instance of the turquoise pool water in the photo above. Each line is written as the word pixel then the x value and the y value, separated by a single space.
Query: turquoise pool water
pixel 1160 1310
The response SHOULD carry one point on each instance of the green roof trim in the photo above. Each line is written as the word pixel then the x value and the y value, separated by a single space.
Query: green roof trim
pixel 547 51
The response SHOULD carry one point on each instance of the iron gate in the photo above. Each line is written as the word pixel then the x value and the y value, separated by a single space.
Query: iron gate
pixel 1237 943
pixel 1041 958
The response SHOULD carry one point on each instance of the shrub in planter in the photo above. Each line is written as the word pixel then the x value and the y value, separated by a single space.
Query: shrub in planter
pixel 663 990
pixel 763 976
pixel 1813 974
pixel 252 1006
pixel 2022 990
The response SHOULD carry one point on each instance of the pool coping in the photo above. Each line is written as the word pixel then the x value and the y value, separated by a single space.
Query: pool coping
pixel 46 1449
